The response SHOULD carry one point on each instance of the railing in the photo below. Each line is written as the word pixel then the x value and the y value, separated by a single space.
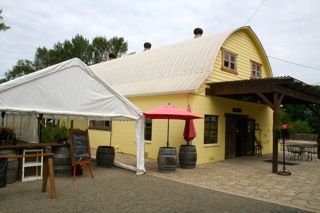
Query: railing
pixel 304 137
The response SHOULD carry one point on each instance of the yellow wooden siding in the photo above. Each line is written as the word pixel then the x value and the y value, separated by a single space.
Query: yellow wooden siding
pixel 123 132
pixel 219 106
pixel 246 49
pixel 98 138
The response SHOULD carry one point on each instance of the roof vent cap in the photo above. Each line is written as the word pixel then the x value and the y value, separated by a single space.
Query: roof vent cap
pixel 197 32
pixel 147 46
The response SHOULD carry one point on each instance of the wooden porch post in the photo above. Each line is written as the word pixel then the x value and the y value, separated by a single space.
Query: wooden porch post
pixel 275 106
pixel 275 142
pixel 316 110
pixel 318 127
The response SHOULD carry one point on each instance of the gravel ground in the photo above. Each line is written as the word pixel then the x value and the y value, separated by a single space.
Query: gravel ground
pixel 118 190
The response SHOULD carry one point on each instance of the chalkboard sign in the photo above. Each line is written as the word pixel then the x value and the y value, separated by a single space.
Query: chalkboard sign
pixel 80 146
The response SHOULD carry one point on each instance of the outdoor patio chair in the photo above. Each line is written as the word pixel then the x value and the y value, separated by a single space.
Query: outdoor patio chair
pixel 314 152
pixel 257 148
pixel 307 152
pixel 289 154
pixel 297 152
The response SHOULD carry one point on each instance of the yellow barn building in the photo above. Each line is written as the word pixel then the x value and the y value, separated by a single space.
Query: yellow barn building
pixel 178 74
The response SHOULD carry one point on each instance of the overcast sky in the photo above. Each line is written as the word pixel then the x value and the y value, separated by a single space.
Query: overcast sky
pixel 288 29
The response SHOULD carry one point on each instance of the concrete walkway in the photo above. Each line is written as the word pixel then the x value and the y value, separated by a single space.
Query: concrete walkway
pixel 251 177
pixel 119 190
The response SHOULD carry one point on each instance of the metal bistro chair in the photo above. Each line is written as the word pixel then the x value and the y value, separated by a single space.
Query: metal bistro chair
pixel 297 152
pixel 257 148
pixel 312 152
pixel 289 154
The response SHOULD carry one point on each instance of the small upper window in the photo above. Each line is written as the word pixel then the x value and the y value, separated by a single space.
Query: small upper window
pixel 100 125
pixel 256 69
pixel 229 62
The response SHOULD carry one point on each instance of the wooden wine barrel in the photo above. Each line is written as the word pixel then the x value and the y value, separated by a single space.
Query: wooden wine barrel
pixel 105 156
pixel 62 161
pixel 13 165
pixel 187 156
pixel 3 172
pixel 167 159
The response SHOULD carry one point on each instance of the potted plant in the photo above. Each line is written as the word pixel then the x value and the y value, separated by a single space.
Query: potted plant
pixel 7 136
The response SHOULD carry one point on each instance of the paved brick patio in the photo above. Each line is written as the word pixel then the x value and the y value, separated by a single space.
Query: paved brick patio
pixel 250 177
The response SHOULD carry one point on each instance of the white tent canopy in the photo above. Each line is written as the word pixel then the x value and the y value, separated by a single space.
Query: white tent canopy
pixel 69 89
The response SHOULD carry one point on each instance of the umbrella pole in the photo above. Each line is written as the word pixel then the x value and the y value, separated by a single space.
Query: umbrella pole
pixel 110 131
pixel 168 134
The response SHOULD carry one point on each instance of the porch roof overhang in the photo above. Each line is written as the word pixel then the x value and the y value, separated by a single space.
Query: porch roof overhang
pixel 273 92
pixel 263 90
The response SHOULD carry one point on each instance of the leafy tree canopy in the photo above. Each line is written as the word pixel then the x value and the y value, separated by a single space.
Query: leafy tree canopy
pixel 80 47
pixel 299 117
pixel 3 27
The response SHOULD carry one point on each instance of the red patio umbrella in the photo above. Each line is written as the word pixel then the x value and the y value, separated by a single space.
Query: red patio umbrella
pixel 189 132
pixel 170 112
pixel 284 126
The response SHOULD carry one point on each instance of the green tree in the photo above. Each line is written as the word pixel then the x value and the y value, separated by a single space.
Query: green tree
pixel 118 46
pixel 22 67
pixel 100 49
pixel 41 58
pixel 300 118
pixel 300 126
pixel 3 27
pixel 80 47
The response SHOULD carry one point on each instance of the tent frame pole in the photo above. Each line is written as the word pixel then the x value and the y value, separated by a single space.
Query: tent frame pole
pixel 168 133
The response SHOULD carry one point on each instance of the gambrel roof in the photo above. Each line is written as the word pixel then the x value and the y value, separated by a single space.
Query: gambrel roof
pixel 176 68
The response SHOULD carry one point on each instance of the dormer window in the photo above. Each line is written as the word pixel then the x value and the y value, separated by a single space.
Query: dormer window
pixel 229 61
pixel 256 69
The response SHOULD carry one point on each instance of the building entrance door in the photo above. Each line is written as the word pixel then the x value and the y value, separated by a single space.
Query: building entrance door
pixel 239 136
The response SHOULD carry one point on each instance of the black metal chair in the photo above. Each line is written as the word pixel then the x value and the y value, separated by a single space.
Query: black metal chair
pixel 257 148
pixel 297 152
pixel 313 152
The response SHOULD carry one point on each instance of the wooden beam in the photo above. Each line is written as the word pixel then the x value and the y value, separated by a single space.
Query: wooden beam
pixel 275 106
pixel 317 108
pixel 26 156
pixel 241 89
pixel 297 94
pixel 266 100
pixel 275 142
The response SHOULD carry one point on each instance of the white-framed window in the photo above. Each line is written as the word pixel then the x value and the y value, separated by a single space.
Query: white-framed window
pixel 100 125
pixel 229 61
pixel 256 69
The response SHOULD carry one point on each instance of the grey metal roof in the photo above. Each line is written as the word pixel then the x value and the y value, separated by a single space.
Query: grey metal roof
pixel 176 68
